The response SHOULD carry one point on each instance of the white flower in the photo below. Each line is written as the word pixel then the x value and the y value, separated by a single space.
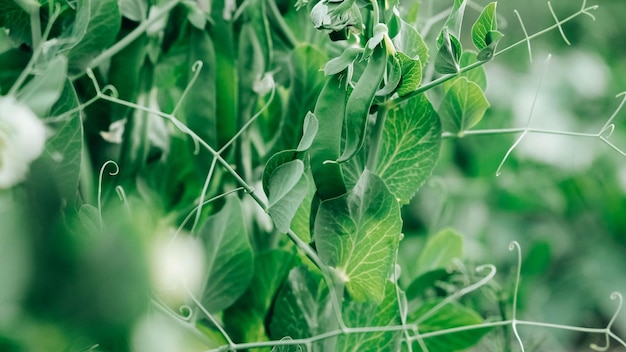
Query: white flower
pixel 22 139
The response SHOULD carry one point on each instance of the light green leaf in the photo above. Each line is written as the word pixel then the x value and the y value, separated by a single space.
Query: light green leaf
pixel 463 106
pixel 228 255
pixel 411 43
pixel 245 320
pixel 96 27
pixel 484 24
pixel 287 188
pixel 358 234
pixel 454 22
pixel 343 61
pixel 476 75
pixel 65 147
pixel 309 130
pixel 493 37
pixel 45 89
pixel 449 316
pixel 134 10
pixel 440 251
pixel 410 147
pixel 368 314
pixel 411 74
pixel 302 308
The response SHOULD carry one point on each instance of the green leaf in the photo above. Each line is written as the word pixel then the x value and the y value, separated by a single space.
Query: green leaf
pixel 463 106
pixel 302 307
pixel 449 54
pixel 16 20
pixel 484 24
pixel 410 147
pixel 245 320
pixel 288 186
pixel 493 37
pixel 358 234
pixel 305 63
pixel 343 61
pixel 477 74
pixel 228 256
pixel 368 314
pixel 411 74
pixel 411 43
pixel 394 75
pixel 90 218
pixel 64 149
pixel 45 89
pixel 309 131
pixel 440 251
pixel 96 27
pixel 454 22
pixel 135 10
pixel 449 316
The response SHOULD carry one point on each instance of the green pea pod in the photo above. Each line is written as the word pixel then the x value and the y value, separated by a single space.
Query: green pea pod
pixel 360 101
pixel 330 111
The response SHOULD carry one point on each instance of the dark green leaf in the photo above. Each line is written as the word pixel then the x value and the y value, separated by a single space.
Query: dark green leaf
pixel 410 147
pixel 463 106
pixel 96 27
pixel 64 149
pixel 16 20
pixel 245 319
pixel 287 188
pixel 228 256
pixel 357 234
pixel 302 308
pixel 449 316
pixel 449 54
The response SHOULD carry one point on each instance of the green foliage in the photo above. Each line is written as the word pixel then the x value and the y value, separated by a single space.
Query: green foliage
pixel 254 175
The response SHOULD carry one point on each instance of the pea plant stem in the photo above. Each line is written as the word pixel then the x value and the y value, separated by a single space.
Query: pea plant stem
pixel 377 137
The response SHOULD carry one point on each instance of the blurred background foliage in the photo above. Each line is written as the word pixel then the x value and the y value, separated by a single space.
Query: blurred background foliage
pixel 562 198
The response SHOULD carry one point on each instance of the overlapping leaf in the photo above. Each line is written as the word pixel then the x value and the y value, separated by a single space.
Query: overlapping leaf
pixel 463 106
pixel 358 234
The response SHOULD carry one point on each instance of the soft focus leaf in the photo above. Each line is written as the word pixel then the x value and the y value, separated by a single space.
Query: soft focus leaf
pixel 463 106
pixel 229 257
pixel 440 251
pixel 45 89
pixel 287 188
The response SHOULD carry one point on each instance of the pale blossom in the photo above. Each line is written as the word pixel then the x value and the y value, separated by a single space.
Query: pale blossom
pixel 22 139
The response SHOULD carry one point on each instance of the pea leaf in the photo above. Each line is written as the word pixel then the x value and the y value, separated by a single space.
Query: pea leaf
pixel 360 314
pixel 449 316
pixel 245 320
pixel 411 74
pixel 45 89
pixel 410 42
pixel 484 24
pixel 410 147
pixel 288 186
pixel 463 106
pixel 16 20
pixel 96 27
pixel 454 22
pixel 228 256
pixel 440 250
pixel 302 308
pixel 135 10
pixel 64 148
pixel 358 234
pixel 449 54
pixel 476 75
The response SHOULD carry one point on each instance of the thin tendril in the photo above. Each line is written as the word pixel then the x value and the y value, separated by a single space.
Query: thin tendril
pixel 205 188
pixel 530 116
pixel 210 316
pixel 558 23
pixel 515 246
pixel 100 176
pixel 196 68
pixel 527 38
pixel 614 296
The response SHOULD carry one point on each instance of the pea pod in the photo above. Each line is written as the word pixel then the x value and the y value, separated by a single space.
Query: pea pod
pixel 330 111
pixel 360 101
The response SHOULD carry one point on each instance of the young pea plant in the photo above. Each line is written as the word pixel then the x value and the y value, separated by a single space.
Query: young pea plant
pixel 273 149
